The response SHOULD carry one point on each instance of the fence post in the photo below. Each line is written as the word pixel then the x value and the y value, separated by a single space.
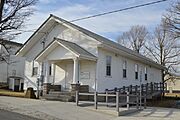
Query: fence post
pixel 145 101
pixel 127 100
pixel 130 88
pixel 117 101
pixel 151 87
pixel 77 97
pixel 124 89
pixel 146 89
pixel 107 98
pixel 95 99
pixel 142 89
pixel 137 100
pixel 161 87
pixel 136 89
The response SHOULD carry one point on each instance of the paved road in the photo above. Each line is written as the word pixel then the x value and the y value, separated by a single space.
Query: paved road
pixel 55 110
pixel 6 115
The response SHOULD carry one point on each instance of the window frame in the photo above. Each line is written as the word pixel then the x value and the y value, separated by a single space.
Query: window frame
pixel 145 73
pixel 136 72
pixel 124 69
pixel 33 71
pixel 108 65
pixel 50 70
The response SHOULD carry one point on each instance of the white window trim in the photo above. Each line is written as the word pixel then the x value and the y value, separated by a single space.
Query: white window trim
pixel 124 61
pixel 108 76
pixel 136 69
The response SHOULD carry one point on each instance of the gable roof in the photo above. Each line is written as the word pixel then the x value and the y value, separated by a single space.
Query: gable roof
pixel 76 48
pixel 73 47
pixel 3 50
pixel 99 38
pixel 2 41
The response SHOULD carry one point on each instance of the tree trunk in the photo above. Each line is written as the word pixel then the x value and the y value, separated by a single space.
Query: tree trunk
pixel 1 9
pixel 163 81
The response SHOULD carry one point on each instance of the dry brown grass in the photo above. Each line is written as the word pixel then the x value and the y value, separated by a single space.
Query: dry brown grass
pixel 169 101
pixel 11 93
pixel 176 95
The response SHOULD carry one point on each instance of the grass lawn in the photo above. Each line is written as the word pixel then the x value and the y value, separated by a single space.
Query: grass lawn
pixel 11 93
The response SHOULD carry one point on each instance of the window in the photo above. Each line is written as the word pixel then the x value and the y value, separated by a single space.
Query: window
pixel 124 69
pixel 50 70
pixel 136 71
pixel 35 71
pixel 145 73
pixel 108 65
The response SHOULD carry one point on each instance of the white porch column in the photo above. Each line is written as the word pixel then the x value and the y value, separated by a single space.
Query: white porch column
pixel 53 72
pixel 46 76
pixel 76 71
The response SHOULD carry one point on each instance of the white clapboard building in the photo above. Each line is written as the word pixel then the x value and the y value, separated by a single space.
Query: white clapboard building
pixel 66 54
pixel 11 66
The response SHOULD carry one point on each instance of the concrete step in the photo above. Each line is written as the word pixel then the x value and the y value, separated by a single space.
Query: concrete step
pixel 63 98
pixel 62 93
pixel 60 96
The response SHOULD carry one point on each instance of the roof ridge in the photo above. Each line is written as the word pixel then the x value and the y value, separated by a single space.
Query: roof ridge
pixel 106 40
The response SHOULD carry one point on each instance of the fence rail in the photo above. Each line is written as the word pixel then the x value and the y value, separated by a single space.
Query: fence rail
pixel 132 95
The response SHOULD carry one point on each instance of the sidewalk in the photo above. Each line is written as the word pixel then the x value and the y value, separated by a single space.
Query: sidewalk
pixel 55 110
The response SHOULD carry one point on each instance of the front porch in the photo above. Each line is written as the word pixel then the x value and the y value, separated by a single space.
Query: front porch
pixel 69 75
pixel 67 67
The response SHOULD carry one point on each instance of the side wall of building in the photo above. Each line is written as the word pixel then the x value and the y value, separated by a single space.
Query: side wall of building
pixel 116 79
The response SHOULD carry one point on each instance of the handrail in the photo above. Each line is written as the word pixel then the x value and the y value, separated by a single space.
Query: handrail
pixel 127 92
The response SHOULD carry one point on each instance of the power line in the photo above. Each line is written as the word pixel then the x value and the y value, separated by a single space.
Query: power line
pixel 110 12
pixel 119 10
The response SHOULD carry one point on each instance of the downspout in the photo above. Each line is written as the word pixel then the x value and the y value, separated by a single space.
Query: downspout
pixel 95 81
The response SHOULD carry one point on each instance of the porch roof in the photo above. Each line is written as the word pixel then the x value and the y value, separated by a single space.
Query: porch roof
pixel 70 46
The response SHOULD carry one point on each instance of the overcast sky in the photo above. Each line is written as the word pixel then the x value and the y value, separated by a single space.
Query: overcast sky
pixel 110 26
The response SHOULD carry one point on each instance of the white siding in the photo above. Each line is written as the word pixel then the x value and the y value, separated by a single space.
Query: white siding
pixel 88 68
pixel 116 79
pixel 62 32
pixel 3 72
pixel 60 53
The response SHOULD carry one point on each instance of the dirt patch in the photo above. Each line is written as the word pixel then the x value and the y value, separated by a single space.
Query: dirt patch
pixel 4 92
pixel 173 95
pixel 168 102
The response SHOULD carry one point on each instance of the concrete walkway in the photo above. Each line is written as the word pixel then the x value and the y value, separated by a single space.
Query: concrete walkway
pixel 55 110
pixel 6 115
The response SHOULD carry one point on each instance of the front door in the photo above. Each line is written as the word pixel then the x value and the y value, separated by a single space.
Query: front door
pixel 69 75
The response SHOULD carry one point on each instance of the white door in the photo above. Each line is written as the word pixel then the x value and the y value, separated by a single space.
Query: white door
pixel 69 76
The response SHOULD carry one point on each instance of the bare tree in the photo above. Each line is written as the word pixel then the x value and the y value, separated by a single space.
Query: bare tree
pixel 13 13
pixel 172 19
pixel 162 48
pixel 135 38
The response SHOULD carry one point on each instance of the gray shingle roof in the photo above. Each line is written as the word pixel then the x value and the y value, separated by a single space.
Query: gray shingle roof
pixel 108 42
pixel 99 38
pixel 81 52
pixel 75 48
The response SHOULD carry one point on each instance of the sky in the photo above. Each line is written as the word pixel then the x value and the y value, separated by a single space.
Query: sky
pixel 110 26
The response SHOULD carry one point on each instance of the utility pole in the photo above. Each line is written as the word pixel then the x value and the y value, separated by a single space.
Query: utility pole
pixel 140 94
